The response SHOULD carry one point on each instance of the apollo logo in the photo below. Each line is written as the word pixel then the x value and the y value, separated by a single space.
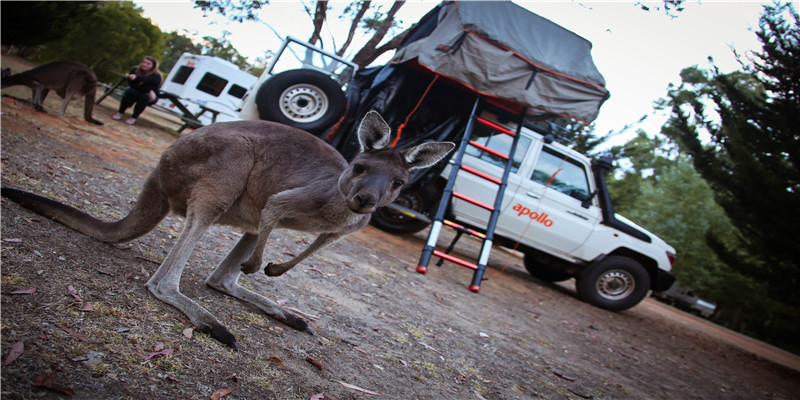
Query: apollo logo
pixel 538 217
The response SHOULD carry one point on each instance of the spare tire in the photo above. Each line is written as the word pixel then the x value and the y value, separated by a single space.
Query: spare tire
pixel 301 98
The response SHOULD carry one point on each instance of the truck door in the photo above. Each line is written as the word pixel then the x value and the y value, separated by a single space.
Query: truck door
pixel 549 209
pixel 481 189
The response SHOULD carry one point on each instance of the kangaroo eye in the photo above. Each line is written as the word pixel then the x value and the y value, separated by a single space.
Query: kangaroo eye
pixel 398 183
pixel 358 168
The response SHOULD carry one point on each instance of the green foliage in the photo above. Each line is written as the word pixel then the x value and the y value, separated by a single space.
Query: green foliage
pixel 175 47
pixel 31 23
pixel 222 48
pixel 114 37
pixel 740 130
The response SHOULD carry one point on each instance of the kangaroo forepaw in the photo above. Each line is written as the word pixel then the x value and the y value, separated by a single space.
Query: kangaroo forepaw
pixel 222 335
pixel 248 267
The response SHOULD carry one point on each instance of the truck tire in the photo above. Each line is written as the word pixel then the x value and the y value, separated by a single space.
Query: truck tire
pixel 615 283
pixel 388 220
pixel 544 271
pixel 301 98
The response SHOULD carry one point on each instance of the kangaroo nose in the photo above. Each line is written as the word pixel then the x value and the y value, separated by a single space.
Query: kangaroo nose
pixel 365 200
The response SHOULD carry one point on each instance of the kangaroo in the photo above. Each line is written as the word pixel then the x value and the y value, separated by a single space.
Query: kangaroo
pixel 70 79
pixel 257 176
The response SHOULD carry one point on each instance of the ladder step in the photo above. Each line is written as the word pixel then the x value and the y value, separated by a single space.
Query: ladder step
pixel 496 127
pixel 473 201
pixel 488 150
pixel 454 259
pixel 464 229
pixel 481 174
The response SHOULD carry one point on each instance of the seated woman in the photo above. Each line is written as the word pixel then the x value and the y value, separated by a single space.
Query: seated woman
pixel 142 91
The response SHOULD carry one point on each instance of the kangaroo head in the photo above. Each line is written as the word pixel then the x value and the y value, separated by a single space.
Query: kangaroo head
pixel 377 174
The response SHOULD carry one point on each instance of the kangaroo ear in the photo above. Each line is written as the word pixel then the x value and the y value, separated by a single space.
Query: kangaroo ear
pixel 426 154
pixel 373 133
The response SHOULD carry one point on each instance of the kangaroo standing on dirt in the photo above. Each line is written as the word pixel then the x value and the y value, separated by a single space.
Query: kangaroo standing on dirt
pixel 255 175
pixel 70 79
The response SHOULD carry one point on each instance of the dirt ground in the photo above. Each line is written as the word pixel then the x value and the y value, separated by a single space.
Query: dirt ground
pixel 79 320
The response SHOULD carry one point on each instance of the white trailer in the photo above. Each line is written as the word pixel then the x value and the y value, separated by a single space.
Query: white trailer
pixel 210 88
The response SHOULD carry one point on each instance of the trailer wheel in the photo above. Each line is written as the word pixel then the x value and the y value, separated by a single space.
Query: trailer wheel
pixel 615 283
pixel 301 98
pixel 389 220
pixel 544 271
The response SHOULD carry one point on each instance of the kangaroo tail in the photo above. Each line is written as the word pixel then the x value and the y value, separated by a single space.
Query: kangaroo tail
pixel 149 210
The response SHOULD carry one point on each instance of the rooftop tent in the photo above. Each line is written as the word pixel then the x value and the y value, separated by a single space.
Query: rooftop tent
pixel 495 48
pixel 503 50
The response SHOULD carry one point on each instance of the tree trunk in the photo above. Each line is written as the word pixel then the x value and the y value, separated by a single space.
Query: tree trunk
pixel 367 53
pixel 353 26
pixel 319 19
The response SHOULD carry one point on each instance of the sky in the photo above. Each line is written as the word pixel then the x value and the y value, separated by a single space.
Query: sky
pixel 639 53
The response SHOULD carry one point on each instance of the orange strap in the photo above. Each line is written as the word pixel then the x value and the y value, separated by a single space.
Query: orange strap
pixel 403 125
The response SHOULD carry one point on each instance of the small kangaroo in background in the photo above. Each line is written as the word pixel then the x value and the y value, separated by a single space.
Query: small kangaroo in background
pixel 255 175
pixel 70 79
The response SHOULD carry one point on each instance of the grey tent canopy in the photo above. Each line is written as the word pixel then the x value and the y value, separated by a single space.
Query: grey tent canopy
pixel 502 50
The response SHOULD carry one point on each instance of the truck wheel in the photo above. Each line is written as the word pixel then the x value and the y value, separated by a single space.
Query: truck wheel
pixel 615 283
pixel 389 220
pixel 543 271
pixel 301 98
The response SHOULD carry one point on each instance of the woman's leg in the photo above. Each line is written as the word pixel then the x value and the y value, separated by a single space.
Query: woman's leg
pixel 142 101
pixel 128 98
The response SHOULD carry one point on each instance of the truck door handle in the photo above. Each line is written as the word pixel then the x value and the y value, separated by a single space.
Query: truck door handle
pixel 534 195
pixel 583 217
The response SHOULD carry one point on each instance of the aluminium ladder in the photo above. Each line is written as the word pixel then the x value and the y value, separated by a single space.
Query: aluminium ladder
pixel 439 220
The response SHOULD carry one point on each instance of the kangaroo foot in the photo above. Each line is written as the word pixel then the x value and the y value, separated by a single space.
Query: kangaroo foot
pixel 221 334
pixel 94 121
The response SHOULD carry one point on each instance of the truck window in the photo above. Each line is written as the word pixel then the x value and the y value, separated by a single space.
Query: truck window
pixel 212 84
pixel 499 142
pixel 570 176
pixel 237 91
pixel 182 75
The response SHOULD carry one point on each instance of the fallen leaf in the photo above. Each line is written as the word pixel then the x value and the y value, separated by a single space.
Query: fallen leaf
pixel 188 332
pixel 46 381
pixel 25 291
pixel 159 347
pixel 88 306
pixel 282 301
pixel 276 359
pixel 74 334
pixel 12 240
pixel 314 362
pixel 302 313
pixel 354 387
pixel 318 396
pixel 220 393
pixel 74 293
pixel 562 376
pixel 16 351
pixel 158 353
pixel 478 395
pixel 429 347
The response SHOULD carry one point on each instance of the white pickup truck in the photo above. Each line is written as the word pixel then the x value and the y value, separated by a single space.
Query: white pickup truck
pixel 557 211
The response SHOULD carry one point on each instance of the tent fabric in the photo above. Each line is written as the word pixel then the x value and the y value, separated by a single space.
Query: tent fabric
pixel 503 50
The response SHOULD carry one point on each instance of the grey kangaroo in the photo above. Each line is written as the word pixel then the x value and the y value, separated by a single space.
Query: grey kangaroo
pixel 255 175
pixel 70 79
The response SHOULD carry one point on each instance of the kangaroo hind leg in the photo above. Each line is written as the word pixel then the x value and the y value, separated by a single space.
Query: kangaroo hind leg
pixel 225 279
pixel 165 282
